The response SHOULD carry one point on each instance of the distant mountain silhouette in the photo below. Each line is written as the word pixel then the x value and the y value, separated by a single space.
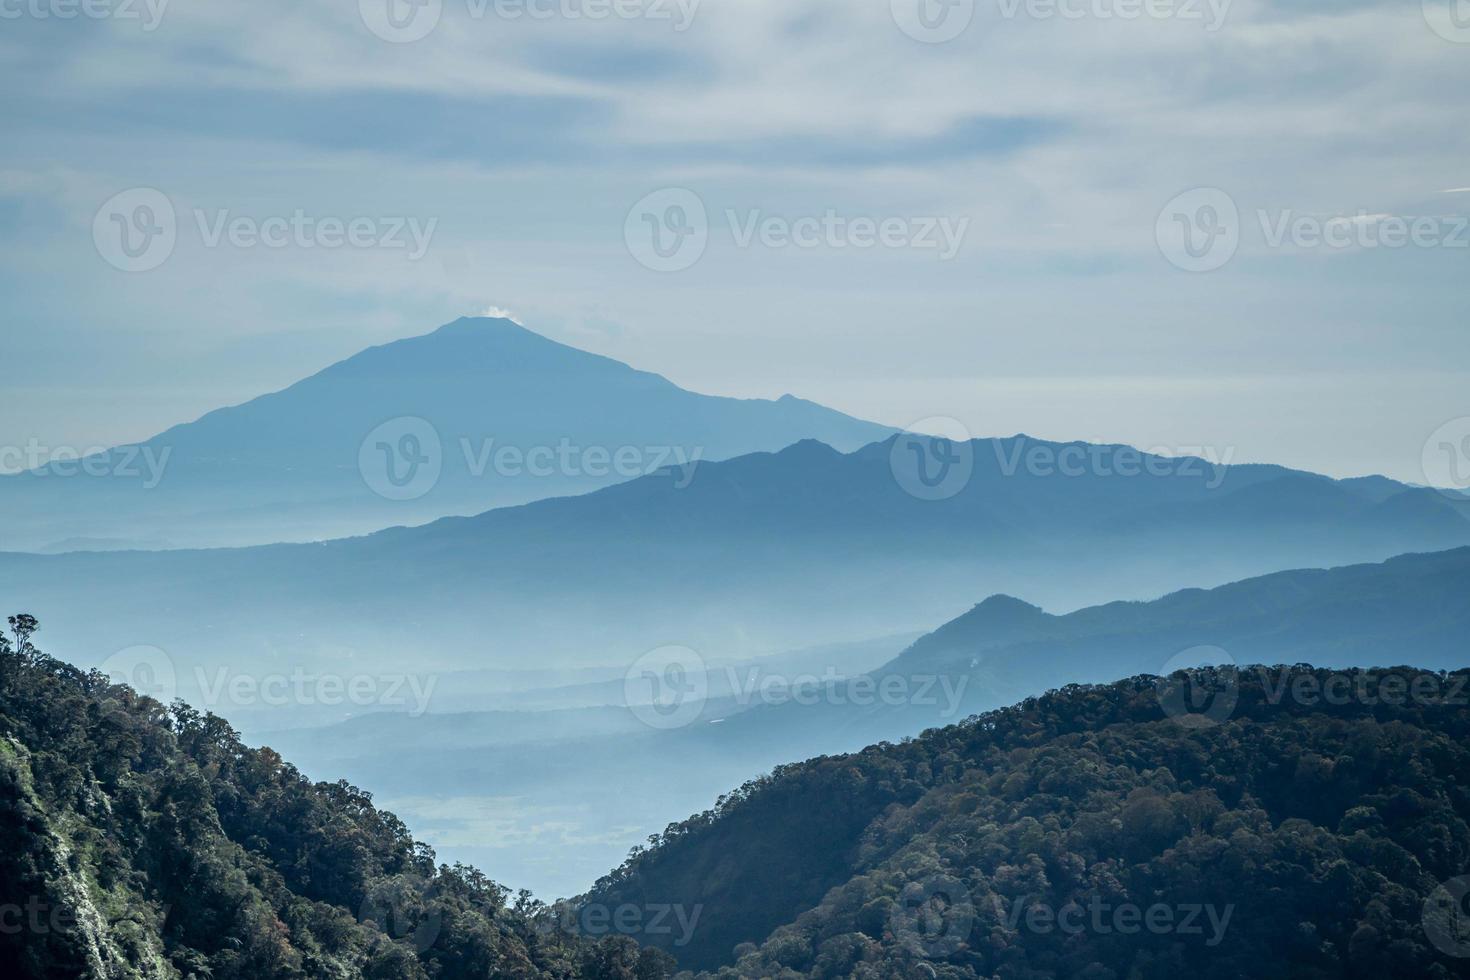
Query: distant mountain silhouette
pixel 759 554
pixel 1411 608
pixel 286 466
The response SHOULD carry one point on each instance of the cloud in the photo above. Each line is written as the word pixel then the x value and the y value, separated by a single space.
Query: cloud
pixel 501 313
pixel 530 140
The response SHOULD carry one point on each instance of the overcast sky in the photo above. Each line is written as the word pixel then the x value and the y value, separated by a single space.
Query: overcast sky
pixel 900 212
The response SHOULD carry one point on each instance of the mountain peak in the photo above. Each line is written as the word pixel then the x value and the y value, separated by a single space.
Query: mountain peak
pixel 809 449
pixel 469 346
pixel 1002 609
pixel 484 322
pixel 999 619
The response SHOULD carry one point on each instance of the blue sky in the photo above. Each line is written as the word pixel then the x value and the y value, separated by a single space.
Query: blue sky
pixel 522 144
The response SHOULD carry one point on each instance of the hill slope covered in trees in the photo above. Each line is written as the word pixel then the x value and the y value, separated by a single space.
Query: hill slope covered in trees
pixel 143 841
pixel 1275 832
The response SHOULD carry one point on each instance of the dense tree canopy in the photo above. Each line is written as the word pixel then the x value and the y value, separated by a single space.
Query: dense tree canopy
pixel 146 841
pixel 1087 833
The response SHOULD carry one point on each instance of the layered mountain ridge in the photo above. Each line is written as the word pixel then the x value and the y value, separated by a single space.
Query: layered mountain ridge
pixel 303 463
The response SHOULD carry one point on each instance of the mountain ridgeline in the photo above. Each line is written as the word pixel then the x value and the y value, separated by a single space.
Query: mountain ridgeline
pixel 1409 609
pixel 1093 832
pixel 751 556
pixel 306 462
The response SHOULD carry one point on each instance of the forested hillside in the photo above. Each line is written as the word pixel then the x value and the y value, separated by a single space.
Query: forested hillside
pixel 1090 833
pixel 1295 823
pixel 138 840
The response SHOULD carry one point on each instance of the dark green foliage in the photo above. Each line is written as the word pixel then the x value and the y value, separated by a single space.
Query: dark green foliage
pixel 144 841
pixel 1322 828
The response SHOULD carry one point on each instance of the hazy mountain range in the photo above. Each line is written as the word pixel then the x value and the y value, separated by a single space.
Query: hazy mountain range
pixel 478 414
pixel 489 678
pixel 755 555
pixel 509 645
pixel 485 785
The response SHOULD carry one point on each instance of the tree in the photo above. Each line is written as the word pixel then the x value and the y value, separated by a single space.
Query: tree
pixel 24 626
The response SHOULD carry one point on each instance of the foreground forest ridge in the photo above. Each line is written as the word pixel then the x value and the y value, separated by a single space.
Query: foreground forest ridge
pixel 1085 833
pixel 146 841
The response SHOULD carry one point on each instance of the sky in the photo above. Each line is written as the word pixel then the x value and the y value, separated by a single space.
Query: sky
pixel 1182 224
